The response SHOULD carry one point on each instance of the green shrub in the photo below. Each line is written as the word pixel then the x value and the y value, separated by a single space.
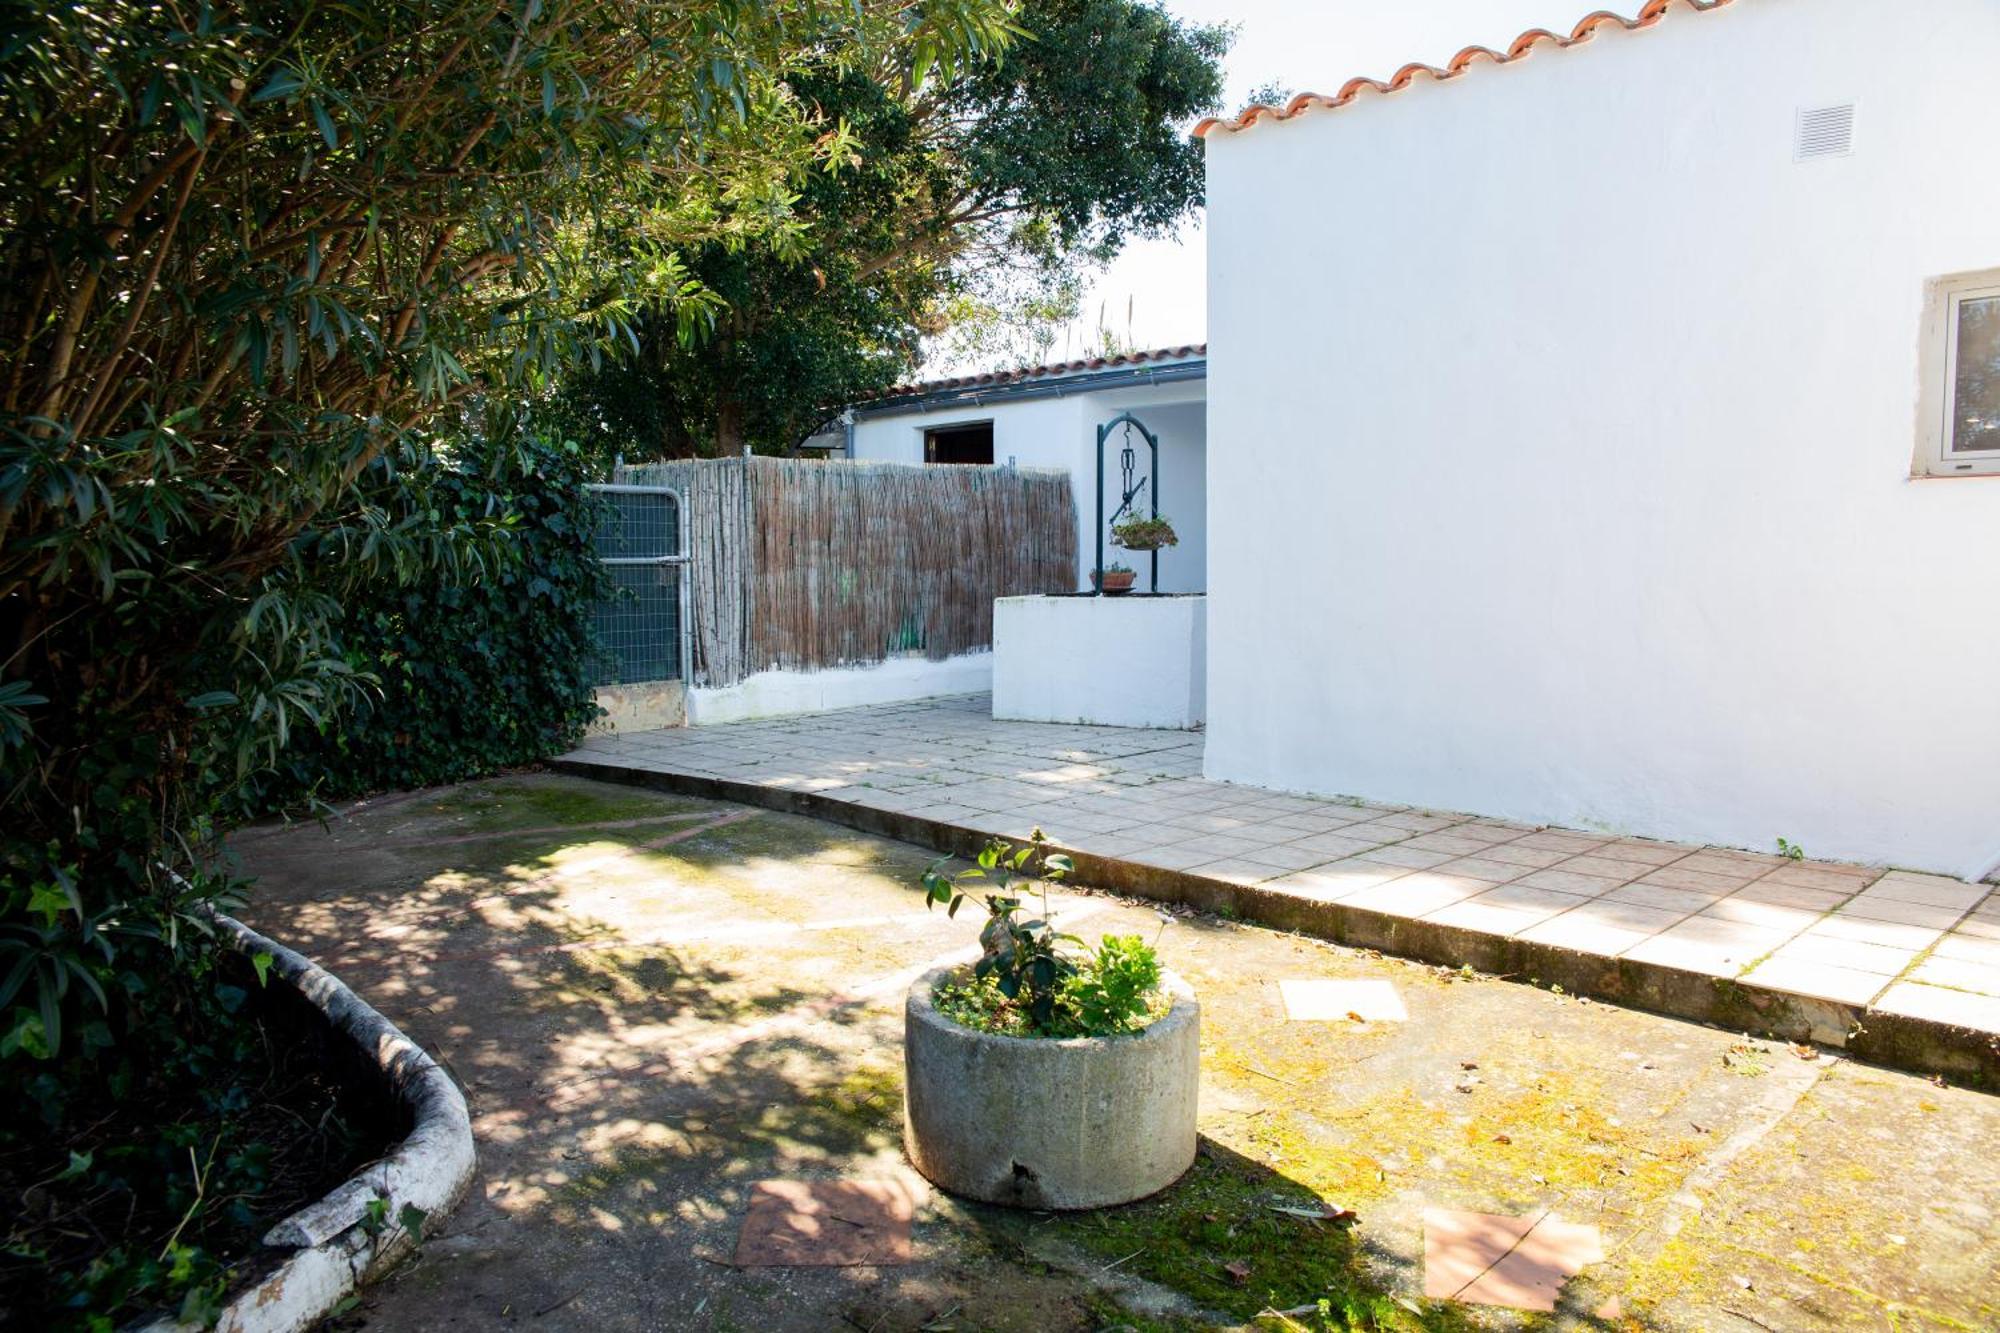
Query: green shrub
pixel 1032 980
pixel 477 666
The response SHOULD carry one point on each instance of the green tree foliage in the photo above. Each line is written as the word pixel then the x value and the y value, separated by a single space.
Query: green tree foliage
pixel 474 674
pixel 968 204
pixel 257 258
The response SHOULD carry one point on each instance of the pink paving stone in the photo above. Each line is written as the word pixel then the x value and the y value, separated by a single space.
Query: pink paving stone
pixel 1752 913
pixel 1891 933
pixel 1557 840
pixel 1934 890
pixel 1286 856
pixel 1895 909
pixel 1415 895
pixel 1321 1001
pixel 1791 895
pixel 1971 948
pixel 1881 959
pixel 1490 918
pixel 1821 981
pixel 1680 875
pixel 1490 1259
pixel 826 1224
pixel 1535 858
pixel 1570 881
pixel 1959 974
pixel 1529 895
pixel 1608 867
pixel 1646 853
pixel 1957 1008
pixel 1822 877
pixel 1685 901
pixel 1334 845
pixel 1342 879
pixel 1479 867
pixel 1624 916
pixel 1571 930
pixel 1414 859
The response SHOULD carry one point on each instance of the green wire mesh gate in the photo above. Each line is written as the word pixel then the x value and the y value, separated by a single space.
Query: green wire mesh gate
pixel 641 539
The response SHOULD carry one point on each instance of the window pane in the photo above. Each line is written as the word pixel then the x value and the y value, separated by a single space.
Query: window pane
pixel 1975 404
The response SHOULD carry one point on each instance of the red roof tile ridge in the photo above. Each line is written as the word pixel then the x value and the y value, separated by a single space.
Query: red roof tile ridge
pixel 1519 49
pixel 1018 374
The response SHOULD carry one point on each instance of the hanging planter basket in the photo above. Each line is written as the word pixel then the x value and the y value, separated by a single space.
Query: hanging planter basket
pixel 1144 534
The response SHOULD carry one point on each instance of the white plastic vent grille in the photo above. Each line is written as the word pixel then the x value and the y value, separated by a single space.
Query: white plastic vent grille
pixel 1824 131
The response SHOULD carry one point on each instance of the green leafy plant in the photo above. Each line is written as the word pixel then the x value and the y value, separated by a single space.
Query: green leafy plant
pixel 1031 979
pixel 1144 534
pixel 1790 850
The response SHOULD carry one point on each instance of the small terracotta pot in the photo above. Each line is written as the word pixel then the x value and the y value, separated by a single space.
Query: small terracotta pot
pixel 1115 581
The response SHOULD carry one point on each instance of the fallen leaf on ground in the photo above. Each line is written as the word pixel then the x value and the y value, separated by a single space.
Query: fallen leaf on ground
pixel 1238 1271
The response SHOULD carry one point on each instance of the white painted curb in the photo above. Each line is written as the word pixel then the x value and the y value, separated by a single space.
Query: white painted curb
pixel 431 1169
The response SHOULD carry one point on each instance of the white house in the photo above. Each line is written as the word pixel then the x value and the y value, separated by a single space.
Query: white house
pixel 1048 417
pixel 1608 431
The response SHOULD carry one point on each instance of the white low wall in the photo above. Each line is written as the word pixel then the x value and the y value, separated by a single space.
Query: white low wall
pixel 1109 661
pixel 787 693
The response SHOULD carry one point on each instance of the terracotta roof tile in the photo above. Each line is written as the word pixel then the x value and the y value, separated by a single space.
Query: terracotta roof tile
pixel 1051 370
pixel 1519 49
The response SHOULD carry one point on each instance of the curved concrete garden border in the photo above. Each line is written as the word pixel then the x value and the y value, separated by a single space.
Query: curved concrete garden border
pixel 336 1244
pixel 1044 1122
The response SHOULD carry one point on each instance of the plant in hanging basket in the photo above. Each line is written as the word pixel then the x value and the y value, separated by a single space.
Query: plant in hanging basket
pixel 1144 534
pixel 1116 578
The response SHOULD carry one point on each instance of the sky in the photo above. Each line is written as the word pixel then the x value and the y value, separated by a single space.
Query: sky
pixel 1306 46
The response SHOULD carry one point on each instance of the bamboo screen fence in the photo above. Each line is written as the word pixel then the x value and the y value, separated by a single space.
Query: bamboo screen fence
pixel 805 565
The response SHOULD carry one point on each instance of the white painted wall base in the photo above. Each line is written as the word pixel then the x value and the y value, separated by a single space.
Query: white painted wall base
pixel 1109 661
pixel 788 693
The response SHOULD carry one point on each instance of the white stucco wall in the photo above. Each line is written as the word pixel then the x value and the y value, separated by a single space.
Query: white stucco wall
pixel 1062 433
pixel 1108 661
pixel 789 693
pixel 1563 433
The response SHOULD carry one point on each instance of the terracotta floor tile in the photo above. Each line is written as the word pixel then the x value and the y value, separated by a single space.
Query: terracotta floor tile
pixel 1766 890
pixel 1337 881
pixel 1479 867
pixel 1970 948
pixel 1685 901
pixel 1530 895
pixel 1753 913
pixel 1397 855
pixel 1449 840
pixel 1959 974
pixel 1535 858
pixel 1680 875
pixel 1625 916
pixel 1605 867
pixel 1876 908
pixel 1413 895
pixel 1816 877
pixel 1815 947
pixel 1956 1007
pixel 1488 1259
pixel 1891 933
pixel 1491 918
pixel 1333 845
pixel 1818 980
pixel 1642 851
pixel 1319 1001
pixel 1933 890
pixel 1573 931
pixel 1559 840
pixel 1569 881
pixel 826 1223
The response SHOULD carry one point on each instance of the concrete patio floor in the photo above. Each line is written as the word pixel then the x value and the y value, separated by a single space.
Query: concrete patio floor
pixel 1902 967
pixel 654 1002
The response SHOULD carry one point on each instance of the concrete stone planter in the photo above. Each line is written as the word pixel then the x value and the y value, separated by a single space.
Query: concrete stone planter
pixel 1083 1122
pixel 328 1248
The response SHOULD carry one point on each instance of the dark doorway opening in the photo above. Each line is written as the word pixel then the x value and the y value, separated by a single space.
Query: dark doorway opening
pixel 971 443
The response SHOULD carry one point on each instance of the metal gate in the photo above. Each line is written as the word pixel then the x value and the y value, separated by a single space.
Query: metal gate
pixel 642 540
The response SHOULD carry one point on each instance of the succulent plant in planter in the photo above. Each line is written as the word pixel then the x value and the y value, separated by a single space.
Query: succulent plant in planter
pixel 1144 534
pixel 1114 578
pixel 1047 1074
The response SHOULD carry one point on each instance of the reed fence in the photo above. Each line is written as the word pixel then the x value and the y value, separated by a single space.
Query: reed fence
pixel 807 565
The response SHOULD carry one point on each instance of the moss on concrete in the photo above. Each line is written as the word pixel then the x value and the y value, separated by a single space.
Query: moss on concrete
pixel 1215 1238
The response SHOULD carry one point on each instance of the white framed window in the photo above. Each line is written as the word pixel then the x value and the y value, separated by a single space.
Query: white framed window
pixel 1962 377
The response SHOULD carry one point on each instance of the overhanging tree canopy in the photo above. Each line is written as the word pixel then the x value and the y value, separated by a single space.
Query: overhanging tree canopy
pixel 1049 154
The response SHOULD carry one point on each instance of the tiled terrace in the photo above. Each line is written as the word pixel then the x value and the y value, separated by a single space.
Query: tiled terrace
pixel 1856 938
